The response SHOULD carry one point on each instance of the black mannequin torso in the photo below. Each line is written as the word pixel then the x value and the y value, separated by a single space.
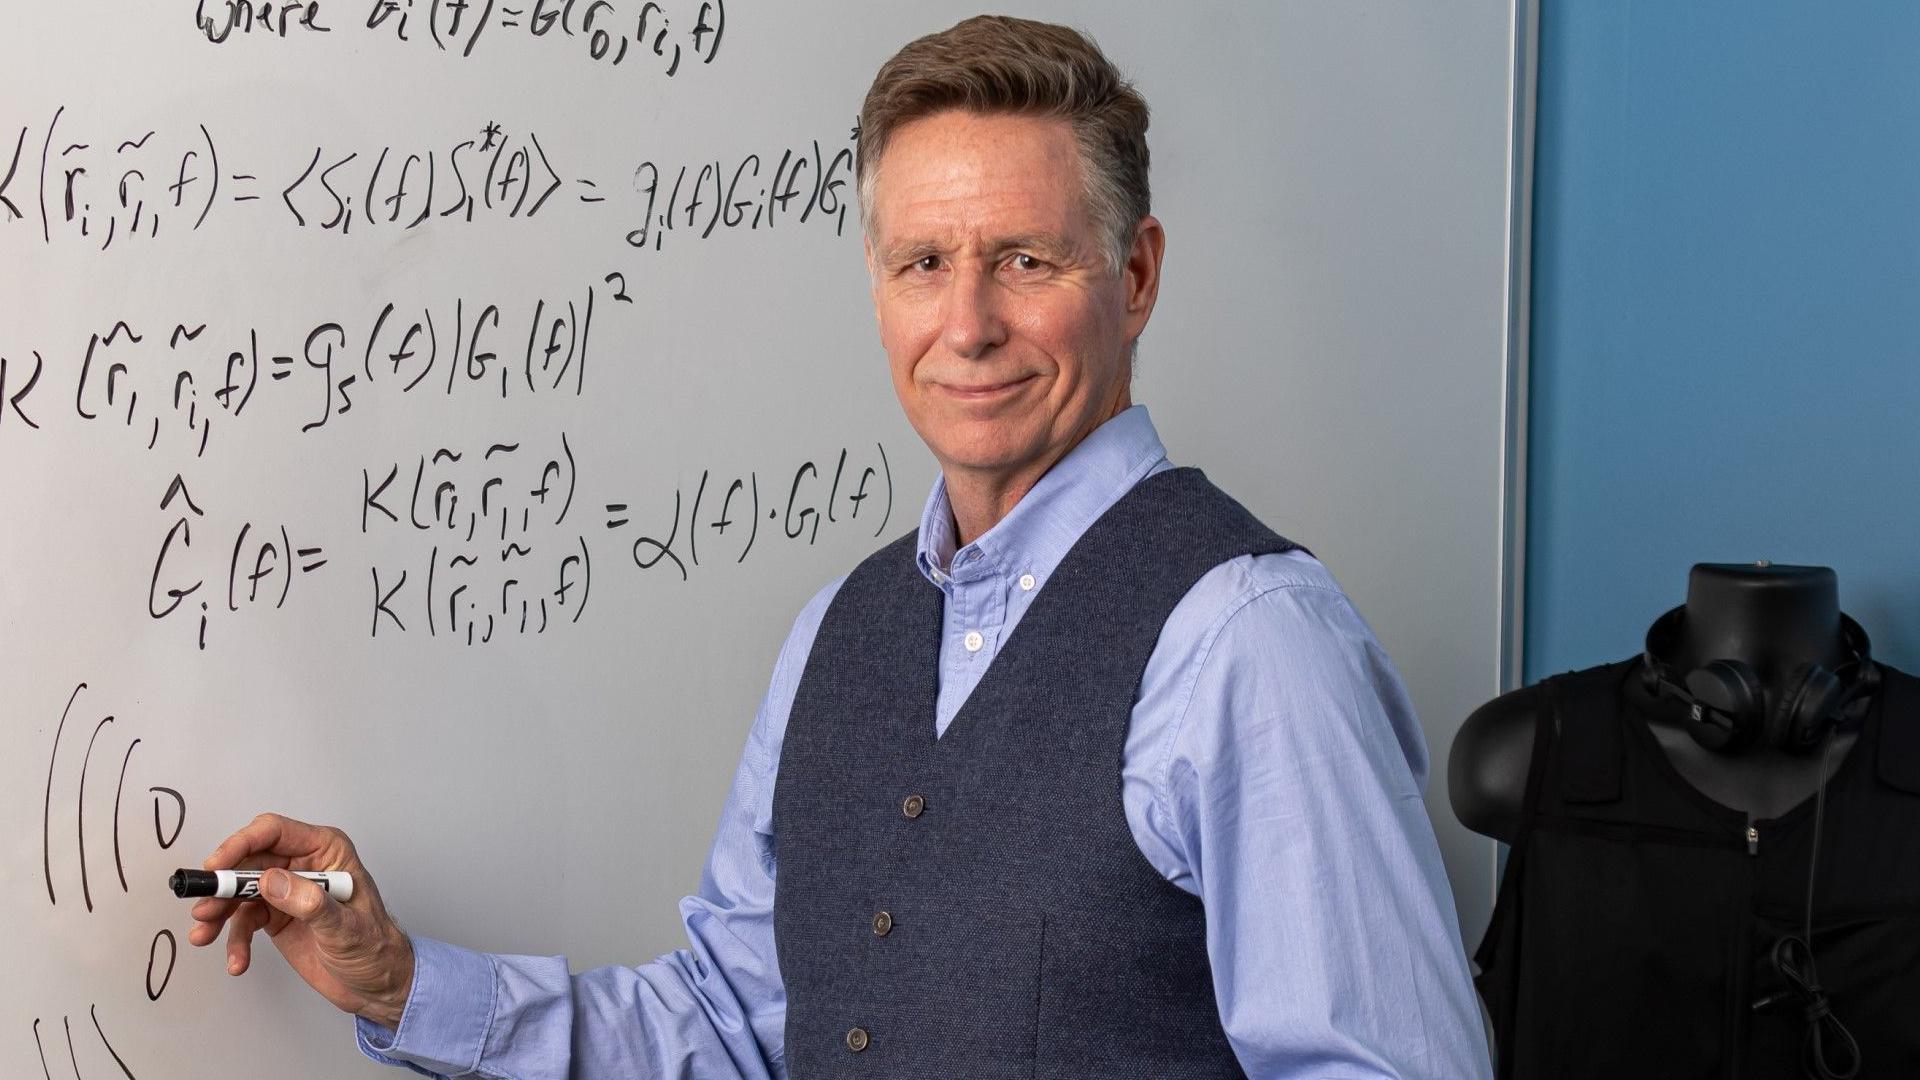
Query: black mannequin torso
pixel 1772 617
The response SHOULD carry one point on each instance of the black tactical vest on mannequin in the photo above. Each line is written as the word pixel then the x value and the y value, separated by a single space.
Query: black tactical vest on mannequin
pixel 1637 918
pixel 975 905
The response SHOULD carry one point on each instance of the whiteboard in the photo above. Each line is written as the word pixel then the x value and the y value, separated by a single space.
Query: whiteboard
pixel 431 424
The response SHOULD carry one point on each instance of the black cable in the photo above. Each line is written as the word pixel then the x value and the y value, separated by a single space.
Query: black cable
pixel 1793 959
pixel 1813 857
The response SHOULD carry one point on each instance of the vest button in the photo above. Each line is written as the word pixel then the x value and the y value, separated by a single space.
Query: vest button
pixel 882 923
pixel 856 1039
pixel 912 805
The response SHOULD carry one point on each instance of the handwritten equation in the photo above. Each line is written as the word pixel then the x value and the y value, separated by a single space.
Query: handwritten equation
pixel 734 503
pixel 488 518
pixel 261 568
pixel 176 382
pixel 655 36
pixel 800 185
pixel 493 172
pixel 122 189
pixel 494 554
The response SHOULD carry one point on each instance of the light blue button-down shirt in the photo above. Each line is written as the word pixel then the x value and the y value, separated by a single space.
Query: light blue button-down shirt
pixel 1273 768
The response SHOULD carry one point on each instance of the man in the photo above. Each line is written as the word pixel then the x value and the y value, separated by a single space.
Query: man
pixel 1172 827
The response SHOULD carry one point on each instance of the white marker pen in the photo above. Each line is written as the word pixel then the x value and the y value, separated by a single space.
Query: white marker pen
pixel 245 884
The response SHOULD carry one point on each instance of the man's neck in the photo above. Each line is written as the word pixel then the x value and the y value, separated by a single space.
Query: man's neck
pixel 981 499
pixel 980 503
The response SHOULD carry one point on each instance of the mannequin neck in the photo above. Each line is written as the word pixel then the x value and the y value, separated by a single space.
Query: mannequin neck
pixel 1774 618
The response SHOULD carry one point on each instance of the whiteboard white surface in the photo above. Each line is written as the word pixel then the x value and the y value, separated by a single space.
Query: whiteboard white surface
pixel 1328 345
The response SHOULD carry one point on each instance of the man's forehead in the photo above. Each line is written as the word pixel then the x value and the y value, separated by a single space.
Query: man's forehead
pixel 967 173
pixel 955 130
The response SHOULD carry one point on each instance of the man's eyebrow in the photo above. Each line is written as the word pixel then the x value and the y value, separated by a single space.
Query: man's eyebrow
pixel 1045 243
pixel 1052 245
pixel 908 251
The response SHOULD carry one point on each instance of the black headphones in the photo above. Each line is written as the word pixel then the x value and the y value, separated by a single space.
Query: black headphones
pixel 1727 703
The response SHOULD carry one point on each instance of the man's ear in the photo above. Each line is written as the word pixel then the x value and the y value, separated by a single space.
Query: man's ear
pixel 1141 273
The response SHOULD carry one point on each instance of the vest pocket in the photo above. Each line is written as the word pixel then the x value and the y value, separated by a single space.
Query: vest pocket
pixel 959 997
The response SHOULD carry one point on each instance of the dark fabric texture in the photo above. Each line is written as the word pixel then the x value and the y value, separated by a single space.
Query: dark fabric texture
pixel 1029 936
pixel 1636 919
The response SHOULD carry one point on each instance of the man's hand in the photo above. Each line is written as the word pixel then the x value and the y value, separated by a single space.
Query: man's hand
pixel 353 953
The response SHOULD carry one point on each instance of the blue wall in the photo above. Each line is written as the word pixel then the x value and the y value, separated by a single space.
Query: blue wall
pixel 1726 312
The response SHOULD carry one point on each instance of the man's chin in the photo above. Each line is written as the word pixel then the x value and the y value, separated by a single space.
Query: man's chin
pixel 991 460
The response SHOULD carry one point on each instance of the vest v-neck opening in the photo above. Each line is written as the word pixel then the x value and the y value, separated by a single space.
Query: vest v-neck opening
pixel 987 684
pixel 1012 646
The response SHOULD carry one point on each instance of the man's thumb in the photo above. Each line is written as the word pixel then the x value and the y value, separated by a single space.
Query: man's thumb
pixel 304 900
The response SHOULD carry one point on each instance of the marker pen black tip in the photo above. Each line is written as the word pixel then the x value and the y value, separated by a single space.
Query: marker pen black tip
pixel 193 882
pixel 245 884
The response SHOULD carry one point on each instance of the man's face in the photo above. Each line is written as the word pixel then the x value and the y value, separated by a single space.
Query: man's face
pixel 1006 331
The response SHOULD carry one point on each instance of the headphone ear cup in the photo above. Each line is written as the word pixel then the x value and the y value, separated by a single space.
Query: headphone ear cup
pixel 1804 715
pixel 1727 707
pixel 1865 682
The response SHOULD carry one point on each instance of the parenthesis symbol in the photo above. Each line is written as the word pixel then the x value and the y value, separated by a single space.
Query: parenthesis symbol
pixel 46 813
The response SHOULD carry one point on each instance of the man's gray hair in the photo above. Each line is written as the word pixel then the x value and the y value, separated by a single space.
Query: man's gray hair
pixel 998 64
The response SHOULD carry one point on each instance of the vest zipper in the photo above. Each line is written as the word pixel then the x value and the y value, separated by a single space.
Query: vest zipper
pixel 1753 836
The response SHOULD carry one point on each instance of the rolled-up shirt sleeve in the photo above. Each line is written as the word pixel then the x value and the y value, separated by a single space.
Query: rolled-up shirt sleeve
pixel 716 1008
pixel 1291 803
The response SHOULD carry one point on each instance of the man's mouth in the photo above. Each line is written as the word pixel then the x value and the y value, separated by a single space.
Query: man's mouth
pixel 981 391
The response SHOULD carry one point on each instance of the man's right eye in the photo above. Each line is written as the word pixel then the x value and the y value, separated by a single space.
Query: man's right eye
pixel 927 264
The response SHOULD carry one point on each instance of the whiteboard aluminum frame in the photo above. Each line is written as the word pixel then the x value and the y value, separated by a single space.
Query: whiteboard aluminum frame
pixel 1524 73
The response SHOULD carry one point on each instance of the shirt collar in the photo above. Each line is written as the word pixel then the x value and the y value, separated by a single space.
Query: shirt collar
pixel 1043 525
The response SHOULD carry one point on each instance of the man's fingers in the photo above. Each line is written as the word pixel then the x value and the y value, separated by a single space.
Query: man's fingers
pixel 240 930
pixel 203 934
pixel 301 899
pixel 208 916
pixel 212 913
pixel 210 910
pixel 269 833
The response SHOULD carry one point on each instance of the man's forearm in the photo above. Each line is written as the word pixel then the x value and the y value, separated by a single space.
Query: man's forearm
pixel 525 1017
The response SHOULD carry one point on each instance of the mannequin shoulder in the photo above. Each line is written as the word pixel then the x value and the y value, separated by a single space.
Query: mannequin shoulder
pixel 1487 767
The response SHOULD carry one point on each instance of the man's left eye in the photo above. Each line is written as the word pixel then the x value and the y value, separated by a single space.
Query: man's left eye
pixel 1023 261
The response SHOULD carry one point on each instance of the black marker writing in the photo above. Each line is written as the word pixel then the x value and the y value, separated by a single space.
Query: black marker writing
pixel 734 519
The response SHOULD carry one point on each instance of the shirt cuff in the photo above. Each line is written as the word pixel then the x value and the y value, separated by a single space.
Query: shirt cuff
pixel 443 1029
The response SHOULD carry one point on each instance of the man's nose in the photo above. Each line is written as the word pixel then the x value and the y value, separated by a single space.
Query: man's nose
pixel 972 322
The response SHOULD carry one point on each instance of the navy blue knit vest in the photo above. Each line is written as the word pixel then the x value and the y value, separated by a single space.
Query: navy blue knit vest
pixel 975 905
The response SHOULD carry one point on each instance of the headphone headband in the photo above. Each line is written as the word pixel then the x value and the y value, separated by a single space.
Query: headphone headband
pixel 1727 702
